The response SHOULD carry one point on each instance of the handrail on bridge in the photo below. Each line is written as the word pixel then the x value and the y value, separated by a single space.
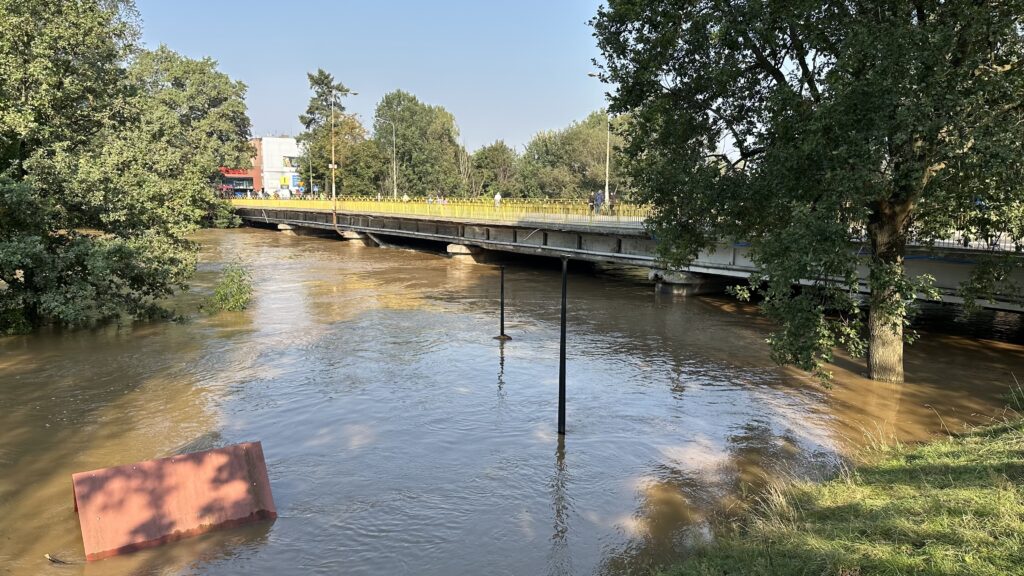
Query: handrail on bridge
pixel 507 211
pixel 518 211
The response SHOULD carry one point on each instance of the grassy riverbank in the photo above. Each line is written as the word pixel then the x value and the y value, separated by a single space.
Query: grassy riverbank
pixel 950 506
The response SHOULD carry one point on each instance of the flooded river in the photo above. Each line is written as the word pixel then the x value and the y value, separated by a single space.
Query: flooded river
pixel 401 438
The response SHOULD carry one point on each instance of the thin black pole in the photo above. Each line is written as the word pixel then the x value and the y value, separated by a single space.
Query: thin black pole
pixel 502 335
pixel 561 353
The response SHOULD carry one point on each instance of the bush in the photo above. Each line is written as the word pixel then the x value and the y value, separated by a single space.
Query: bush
pixel 233 292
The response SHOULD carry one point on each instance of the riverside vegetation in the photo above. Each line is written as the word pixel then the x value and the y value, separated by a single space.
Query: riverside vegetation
pixel 953 506
pixel 233 291
pixel 109 158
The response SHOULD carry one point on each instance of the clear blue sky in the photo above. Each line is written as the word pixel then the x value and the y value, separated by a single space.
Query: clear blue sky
pixel 506 69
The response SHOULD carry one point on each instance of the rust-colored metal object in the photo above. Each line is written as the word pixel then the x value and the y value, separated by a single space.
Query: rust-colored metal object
pixel 125 508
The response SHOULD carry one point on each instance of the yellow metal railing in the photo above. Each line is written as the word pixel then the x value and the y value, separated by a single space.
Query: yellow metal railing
pixel 509 211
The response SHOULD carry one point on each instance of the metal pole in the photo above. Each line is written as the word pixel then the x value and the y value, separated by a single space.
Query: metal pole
pixel 502 335
pixel 608 161
pixel 394 161
pixel 561 353
pixel 334 194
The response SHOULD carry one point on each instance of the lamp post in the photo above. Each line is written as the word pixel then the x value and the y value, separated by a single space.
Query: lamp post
pixel 334 165
pixel 394 159
pixel 334 192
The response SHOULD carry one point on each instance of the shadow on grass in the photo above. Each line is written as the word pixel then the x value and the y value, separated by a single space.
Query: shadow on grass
pixel 950 507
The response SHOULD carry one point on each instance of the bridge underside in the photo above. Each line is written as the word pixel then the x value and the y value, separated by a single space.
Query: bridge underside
pixel 627 245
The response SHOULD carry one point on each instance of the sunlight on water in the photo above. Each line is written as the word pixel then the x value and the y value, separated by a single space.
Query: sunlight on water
pixel 402 438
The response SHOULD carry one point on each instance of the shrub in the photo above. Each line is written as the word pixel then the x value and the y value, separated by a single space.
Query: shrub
pixel 233 292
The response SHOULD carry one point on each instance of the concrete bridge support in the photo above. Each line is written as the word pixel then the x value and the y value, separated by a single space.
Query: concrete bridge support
pixel 293 230
pixel 462 252
pixel 688 283
pixel 361 238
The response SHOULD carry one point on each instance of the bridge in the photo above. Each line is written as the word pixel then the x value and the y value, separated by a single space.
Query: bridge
pixel 474 229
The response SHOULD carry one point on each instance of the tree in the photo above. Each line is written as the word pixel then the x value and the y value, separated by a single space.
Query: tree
pixel 495 168
pixel 103 180
pixel 426 141
pixel 570 163
pixel 803 127
pixel 316 139
pixel 365 169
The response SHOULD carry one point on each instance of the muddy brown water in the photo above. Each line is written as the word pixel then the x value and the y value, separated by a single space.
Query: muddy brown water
pixel 402 438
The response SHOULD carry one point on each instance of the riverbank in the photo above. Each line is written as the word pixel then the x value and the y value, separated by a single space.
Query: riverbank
pixel 950 506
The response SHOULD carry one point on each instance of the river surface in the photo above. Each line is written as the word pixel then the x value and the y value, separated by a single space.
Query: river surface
pixel 401 438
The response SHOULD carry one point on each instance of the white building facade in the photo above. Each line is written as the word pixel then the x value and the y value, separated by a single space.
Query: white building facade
pixel 280 166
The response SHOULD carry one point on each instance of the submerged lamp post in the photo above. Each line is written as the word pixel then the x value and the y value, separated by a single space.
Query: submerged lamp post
pixel 561 353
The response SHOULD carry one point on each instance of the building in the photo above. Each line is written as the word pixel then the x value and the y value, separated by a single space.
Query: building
pixel 274 170
pixel 279 166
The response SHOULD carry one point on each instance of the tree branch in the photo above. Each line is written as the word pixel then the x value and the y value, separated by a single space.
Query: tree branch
pixel 801 57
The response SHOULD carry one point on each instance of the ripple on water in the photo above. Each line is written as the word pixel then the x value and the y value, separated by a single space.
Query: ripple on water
pixel 401 437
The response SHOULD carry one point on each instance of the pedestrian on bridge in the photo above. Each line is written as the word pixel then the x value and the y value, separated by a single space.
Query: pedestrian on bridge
pixel 497 199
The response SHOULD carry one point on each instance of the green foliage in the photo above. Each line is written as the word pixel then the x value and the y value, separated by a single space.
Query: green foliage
pixel 233 292
pixel 358 170
pixel 61 74
pixel 106 165
pixel 805 128
pixel 570 163
pixel 427 147
pixel 949 507
pixel 495 166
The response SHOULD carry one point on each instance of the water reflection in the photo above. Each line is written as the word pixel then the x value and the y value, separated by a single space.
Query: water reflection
pixel 396 441
pixel 560 559
pixel 501 368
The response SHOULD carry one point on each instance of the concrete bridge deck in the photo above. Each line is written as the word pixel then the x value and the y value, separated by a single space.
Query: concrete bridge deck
pixel 573 231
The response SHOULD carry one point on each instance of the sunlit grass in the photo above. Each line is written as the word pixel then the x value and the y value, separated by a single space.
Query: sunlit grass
pixel 951 506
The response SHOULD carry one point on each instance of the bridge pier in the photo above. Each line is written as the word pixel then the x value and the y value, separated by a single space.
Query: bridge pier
pixel 361 238
pixel 688 283
pixel 464 253
pixel 292 230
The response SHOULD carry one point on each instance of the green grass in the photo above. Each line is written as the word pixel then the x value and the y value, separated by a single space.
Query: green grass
pixel 951 506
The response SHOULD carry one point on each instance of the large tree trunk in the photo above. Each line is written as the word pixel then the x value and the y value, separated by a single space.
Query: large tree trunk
pixel 885 317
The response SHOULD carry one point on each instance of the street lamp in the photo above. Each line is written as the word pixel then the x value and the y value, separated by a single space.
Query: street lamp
pixel 394 159
pixel 334 165
pixel 607 150
pixel 334 192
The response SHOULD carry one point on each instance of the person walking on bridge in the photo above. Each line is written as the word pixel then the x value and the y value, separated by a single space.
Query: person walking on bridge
pixel 497 199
